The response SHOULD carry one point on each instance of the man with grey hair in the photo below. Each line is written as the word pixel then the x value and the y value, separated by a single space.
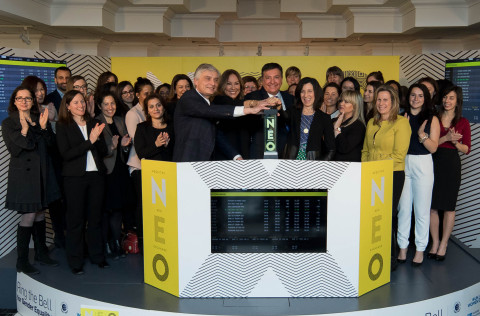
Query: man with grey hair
pixel 195 117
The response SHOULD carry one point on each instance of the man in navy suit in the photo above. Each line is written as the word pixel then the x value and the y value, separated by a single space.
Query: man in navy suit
pixel 62 74
pixel 272 76
pixel 195 117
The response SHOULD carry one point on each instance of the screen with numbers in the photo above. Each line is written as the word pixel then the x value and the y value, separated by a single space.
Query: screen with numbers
pixel 14 69
pixel 267 220
pixel 465 73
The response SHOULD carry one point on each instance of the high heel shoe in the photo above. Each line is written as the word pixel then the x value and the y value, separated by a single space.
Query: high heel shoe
pixel 401 260
pixel 431 255
pixel 440 258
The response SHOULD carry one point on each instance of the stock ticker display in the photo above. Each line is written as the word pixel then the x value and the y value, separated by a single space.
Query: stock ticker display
pixel 268 221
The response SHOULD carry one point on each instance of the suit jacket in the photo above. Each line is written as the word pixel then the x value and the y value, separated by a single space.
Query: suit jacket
pixel 73 148
pixel 55 98
pixel 111 157
pixel 255 124
pixel 195 129
pixel 320 141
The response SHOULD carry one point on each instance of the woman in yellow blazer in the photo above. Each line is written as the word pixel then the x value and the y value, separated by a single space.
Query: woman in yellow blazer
pixel 388 137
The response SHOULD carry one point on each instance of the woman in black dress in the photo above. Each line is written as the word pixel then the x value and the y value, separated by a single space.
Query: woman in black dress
pixel 455 138
pixel 118 188
pixel 31 178
pixel 311 130
pixel 349 127
pixel 154 137
pixel 82 147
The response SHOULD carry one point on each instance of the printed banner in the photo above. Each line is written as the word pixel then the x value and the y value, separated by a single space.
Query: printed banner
pixel 160 224
pixel 376 225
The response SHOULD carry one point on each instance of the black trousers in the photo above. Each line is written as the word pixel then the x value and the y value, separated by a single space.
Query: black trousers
pixel 84 196
pixel 137 184
pixel 398 181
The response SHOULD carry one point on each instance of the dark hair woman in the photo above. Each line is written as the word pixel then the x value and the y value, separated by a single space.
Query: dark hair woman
pixel 82 147
pixel 311 131
pixel 79 83
pixel 154 137
pixel 56 209
pixel 350 83
pixel 180 84
pixel 142 88
pixel 38 86
pixel 250 84
pixel 31 180
pixel 230 91
pixel 118 188
pixel 349 127
pixel 375 76
pixel 368 97
pixel 125 96
pixel 455 137
pixel 417 189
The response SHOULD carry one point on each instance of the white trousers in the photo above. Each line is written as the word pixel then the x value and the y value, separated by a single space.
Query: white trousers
pixel 417 191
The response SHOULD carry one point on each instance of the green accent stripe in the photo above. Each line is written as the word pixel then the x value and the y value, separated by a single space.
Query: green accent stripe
pixel 466 64
pixel 30 63
pixel 215 194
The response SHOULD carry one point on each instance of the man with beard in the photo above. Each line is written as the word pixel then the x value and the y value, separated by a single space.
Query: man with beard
pixel 61 77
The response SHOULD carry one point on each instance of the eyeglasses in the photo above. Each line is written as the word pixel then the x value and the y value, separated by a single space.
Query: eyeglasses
pixel 127 92
pixel 83 87
pixel 26 99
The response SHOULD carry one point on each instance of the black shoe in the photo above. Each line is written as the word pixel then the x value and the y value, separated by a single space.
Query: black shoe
pixel 117 250
pixel 103 265
pixel 107 250
pixel 41 249
pixel 416 264
pixel 440 258
pixel 401 260
pixel 78 271
pixel 431 255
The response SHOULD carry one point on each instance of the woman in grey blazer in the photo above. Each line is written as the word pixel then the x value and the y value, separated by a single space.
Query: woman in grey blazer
pixel 118 187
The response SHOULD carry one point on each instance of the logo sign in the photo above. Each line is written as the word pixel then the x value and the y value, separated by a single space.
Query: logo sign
pixel 270 132
pixel 97 312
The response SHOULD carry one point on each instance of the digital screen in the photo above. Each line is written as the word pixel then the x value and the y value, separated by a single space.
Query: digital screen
pixel 266 221
pixel 465 73
pixel 14 69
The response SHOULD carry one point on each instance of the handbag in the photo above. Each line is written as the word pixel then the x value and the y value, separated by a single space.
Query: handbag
pixel 130 243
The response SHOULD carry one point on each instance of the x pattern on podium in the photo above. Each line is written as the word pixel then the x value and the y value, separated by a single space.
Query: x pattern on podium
pixel 183 224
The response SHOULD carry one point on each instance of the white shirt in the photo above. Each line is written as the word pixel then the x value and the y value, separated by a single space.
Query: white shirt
pixel 91 166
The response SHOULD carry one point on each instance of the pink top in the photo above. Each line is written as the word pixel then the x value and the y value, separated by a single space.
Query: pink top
pixel 462 127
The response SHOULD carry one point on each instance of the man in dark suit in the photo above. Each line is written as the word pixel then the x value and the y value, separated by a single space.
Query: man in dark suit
pixel 272 75
pixel 62 74
pixel 195 117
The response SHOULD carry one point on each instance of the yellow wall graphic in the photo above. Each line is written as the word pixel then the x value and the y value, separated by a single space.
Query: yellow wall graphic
pixel 375 225
pixel 164 68
pixel 160 224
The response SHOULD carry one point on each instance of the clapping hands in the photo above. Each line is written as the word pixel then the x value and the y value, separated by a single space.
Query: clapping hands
pixel 162 139
pixel 96 131
pixel 453 136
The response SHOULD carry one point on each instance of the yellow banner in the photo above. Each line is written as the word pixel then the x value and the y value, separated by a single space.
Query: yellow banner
pixel 160 225
pixel 375 225
pixel 164 68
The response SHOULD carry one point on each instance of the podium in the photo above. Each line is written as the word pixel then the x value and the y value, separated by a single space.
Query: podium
pixel 323 228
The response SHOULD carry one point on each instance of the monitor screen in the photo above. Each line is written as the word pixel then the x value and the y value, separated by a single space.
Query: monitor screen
pixel 267 220
pixel 14 69
pixel 465 73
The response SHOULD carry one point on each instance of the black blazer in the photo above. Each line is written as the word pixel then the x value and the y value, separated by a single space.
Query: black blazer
pixel 349 142
pixel 195 129
pixel 55 98
pixel 320 136
pixel 255 125
pixel 73 148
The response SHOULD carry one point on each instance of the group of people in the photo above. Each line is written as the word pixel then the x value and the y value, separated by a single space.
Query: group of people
pixel 82 151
